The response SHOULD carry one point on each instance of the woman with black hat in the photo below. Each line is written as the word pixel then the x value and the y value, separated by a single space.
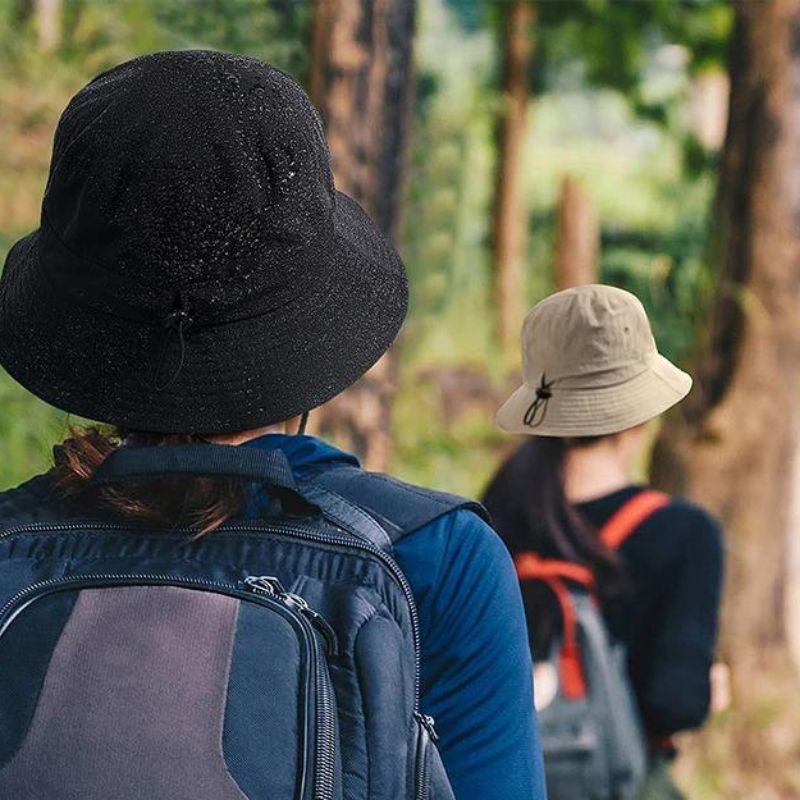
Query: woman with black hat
pixel 197 283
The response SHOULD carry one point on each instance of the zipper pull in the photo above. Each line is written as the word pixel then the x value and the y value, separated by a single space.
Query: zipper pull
pixel 271 586
pixel 265 584
pixel 427 722
pixel 315 618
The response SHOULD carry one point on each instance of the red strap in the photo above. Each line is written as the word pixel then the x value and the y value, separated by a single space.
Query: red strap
pixel 530 567
pixel 630 516
pixel 553 572
pixel 573 683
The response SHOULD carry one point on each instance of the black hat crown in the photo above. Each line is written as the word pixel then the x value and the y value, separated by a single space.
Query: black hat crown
pixel 191 193
pixel 181 170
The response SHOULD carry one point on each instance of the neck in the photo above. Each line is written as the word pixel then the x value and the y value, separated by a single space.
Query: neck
pixel 289 426
pixel 592 472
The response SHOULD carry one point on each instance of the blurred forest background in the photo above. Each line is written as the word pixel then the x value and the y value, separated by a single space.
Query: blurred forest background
pixel 511 147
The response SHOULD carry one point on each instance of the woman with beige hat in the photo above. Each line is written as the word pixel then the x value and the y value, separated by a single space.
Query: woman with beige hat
pixel 592 379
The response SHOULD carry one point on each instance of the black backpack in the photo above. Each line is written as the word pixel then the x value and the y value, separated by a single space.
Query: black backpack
pixel 272 659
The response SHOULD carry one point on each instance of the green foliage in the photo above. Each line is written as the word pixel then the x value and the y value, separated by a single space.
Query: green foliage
pixel 28 429
pixel 274 31
pixel 447 216
pixel 648 50
pixel 97 33
pixel 643 49
pixel 614 41
pixel 652 213
pixel 609 43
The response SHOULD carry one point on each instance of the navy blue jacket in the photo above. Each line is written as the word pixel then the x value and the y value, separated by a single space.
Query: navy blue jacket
pixel 669 617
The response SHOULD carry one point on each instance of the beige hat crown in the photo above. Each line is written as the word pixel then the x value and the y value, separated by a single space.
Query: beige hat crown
pixel 598 332
pixel 590 367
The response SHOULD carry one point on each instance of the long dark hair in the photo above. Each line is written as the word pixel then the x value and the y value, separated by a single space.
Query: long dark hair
pixel 199 503
pixel 527 501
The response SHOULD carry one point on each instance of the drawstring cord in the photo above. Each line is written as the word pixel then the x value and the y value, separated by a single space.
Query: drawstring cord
pixel 179 319
pixel 543 394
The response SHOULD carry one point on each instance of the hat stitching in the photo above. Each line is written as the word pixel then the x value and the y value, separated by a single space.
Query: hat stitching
pixel 98 288
pixel 92 295
pixel 594 386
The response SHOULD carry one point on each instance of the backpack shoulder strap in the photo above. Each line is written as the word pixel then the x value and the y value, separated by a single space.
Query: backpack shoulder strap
pixel 554 573
pixel 630 515
pixel 400 507
pixel 613 534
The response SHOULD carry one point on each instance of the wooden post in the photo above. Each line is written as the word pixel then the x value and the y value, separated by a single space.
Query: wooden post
pixel 578 241
pixel 708 107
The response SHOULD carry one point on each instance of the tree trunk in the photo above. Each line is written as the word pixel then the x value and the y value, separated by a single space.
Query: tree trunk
pixel 47 15
pixel 735 447
pixel 510 211
pixel 578 242
pixel 362 83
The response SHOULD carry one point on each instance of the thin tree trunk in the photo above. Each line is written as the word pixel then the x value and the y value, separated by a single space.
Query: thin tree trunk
pixel 510 211
pixel 578 242
pixel 735 447
pixel 47 15
pixel 362 82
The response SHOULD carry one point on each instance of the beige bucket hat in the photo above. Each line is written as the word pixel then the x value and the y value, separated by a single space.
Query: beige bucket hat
pixel 590 367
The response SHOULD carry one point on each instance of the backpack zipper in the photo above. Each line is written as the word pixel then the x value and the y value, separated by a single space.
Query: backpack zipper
pixel 325 749
pixel 325 744
pixel 427 736
pixel 271 586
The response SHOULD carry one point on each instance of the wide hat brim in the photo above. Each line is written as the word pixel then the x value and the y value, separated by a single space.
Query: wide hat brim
pixel 251 372
pixel 597 410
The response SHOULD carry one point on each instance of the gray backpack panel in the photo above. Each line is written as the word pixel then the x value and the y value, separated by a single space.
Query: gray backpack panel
pixel 126 704
pixel 594 748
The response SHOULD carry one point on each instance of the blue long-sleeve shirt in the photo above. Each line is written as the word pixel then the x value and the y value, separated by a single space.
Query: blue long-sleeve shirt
pixel 476 671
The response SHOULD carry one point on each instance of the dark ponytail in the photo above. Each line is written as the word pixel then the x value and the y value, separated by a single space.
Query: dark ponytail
pixel 530 509
pixel 199 503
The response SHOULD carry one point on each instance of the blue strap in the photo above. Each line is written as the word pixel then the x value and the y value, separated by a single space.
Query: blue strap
pixel 401 508
pixel 270 467
pixel 141 463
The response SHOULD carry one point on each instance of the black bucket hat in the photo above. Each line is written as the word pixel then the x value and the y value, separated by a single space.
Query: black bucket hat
pixel 195 270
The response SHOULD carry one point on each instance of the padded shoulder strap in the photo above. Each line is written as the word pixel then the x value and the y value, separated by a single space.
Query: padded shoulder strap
pixel 630 515
pixel 402 508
